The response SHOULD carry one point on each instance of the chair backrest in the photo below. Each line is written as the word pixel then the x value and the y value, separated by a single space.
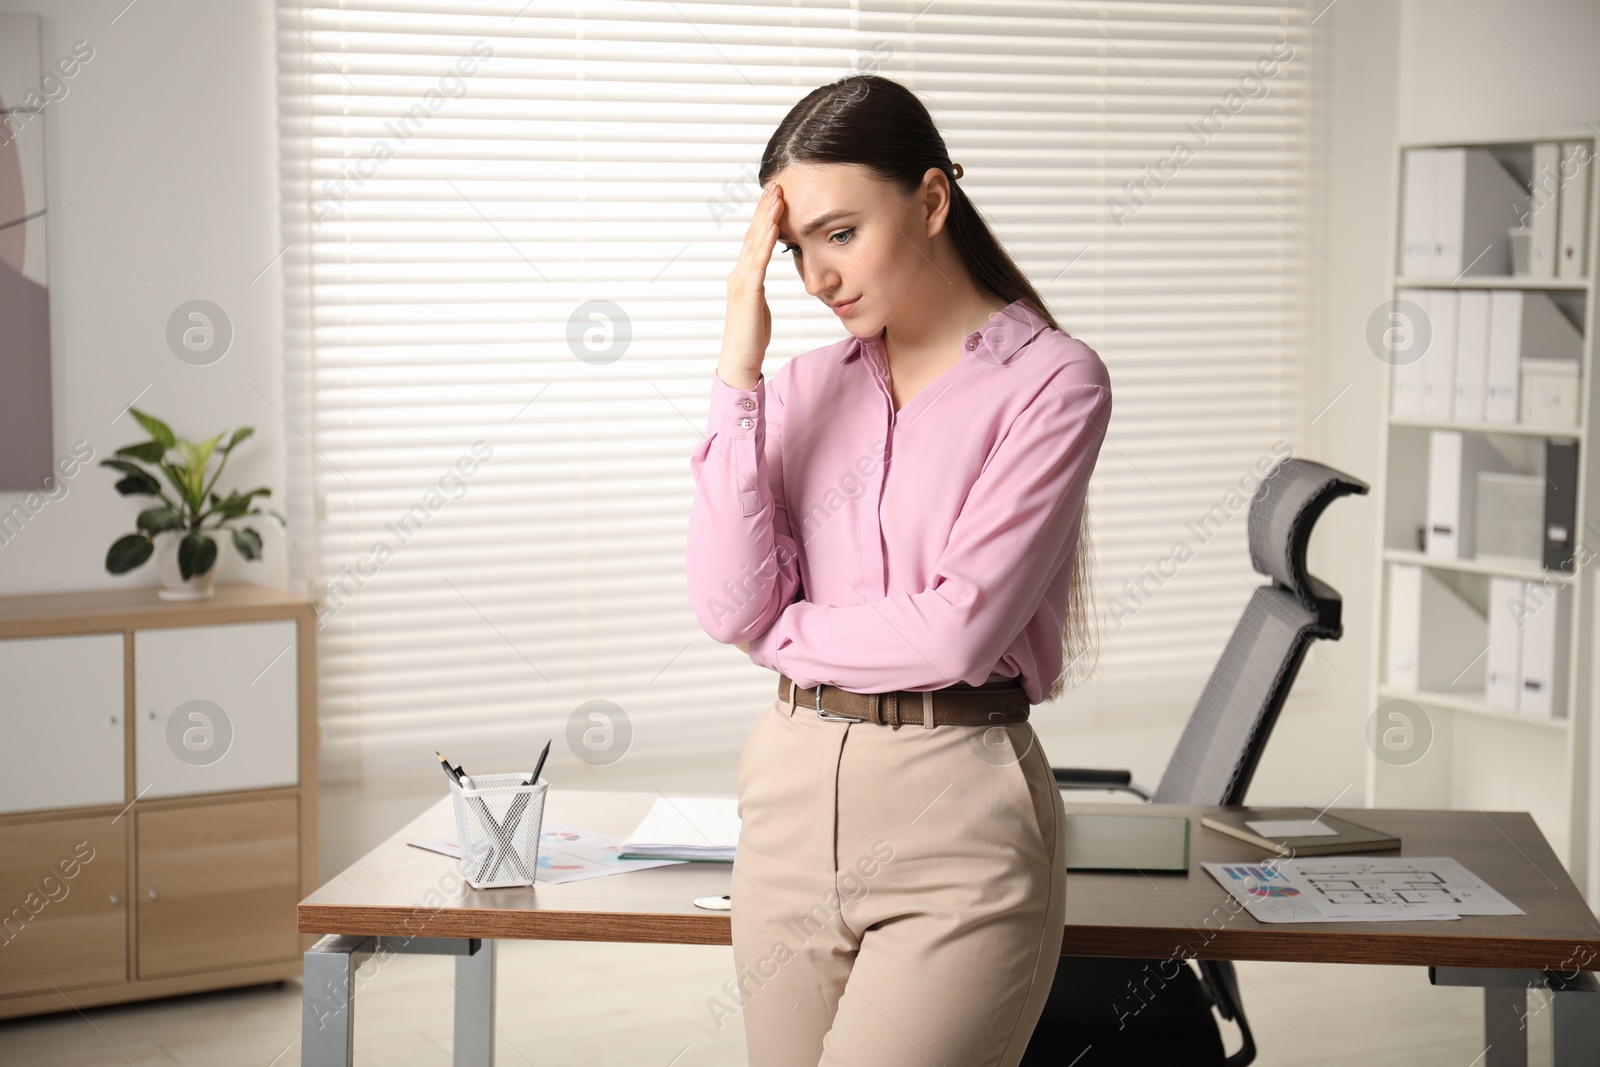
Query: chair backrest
pixel 1217 755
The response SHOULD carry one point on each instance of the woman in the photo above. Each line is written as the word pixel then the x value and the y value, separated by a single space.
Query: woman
pixel 893 524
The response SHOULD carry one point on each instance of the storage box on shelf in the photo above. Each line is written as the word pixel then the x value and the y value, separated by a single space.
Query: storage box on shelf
pixel 1487 490
pixel 158 806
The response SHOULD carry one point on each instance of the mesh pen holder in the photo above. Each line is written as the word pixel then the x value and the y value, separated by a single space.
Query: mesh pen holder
pixel 497 823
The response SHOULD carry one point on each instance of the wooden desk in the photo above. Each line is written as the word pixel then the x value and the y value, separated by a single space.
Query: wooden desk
pixel 403 899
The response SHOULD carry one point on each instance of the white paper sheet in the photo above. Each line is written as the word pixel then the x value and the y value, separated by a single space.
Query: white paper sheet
pixel 701 828
pixel 1276 828
pixel 566 854
pixel 1359 889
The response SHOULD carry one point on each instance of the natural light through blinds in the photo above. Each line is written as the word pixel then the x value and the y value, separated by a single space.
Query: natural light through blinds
pixel 500 480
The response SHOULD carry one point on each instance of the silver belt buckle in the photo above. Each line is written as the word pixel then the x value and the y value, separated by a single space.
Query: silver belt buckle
pixel 827 715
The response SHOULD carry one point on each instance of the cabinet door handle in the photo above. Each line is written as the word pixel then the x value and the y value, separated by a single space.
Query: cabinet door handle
pixel 114 899
pixel 152 716
pixel 152 894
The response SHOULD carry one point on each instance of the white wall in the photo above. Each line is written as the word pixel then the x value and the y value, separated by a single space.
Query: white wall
pixel 1497 68
pixel 163 162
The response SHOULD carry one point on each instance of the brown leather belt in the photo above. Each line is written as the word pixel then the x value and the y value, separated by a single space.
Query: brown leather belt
pixel 955 705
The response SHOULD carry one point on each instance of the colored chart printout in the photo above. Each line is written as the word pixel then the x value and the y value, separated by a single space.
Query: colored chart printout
pixel 1359 889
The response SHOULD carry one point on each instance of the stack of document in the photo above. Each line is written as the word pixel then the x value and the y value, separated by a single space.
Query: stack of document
pixel 1526 665
pixel 1457 462
pixel 1436 635
pixel 685 828
pixel 1479 350
pixel 1455 211
pixel 1455 217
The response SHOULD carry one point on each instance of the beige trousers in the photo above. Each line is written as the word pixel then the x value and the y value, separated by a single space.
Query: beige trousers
pixel 899 893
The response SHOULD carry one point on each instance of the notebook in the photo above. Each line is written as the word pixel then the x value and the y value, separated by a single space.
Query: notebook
pixel 1298 831
pixel 685 828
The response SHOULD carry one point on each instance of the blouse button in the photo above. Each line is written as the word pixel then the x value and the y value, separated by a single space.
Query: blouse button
pixel 746 423
pixel 972 342
pixel 747 403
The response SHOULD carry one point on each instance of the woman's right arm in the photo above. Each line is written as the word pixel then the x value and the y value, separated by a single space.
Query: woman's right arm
pixel 741 562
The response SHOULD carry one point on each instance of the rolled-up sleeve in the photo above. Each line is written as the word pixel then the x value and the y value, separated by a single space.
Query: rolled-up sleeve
pixel 1017 528
pixel 741 562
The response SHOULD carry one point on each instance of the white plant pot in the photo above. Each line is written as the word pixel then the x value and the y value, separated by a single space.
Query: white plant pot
pixel 173 586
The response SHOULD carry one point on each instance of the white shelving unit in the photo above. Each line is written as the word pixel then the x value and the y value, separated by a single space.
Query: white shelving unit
pixel 1480 757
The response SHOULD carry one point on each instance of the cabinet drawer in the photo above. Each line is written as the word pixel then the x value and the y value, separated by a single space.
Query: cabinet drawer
pixel 61 722
pixel 217 886
pixel 216 708
pixel 65 919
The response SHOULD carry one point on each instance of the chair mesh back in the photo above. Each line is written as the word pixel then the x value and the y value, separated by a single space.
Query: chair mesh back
pixel 1283 511
pixel 1238 700
pixel 1223 740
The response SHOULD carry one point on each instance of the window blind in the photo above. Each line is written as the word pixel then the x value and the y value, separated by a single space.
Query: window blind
pixel 509 228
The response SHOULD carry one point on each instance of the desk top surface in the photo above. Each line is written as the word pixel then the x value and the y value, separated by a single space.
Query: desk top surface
pixel 399 890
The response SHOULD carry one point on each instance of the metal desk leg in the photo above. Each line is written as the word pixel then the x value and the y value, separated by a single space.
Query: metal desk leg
pixel 1577 1024
pixel 474 996
pixel 327 1025
pixel 1576 1000
pixel 474 1038
pixel 1505 1030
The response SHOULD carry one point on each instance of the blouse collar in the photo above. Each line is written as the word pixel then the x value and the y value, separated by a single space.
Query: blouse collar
pixel 999 339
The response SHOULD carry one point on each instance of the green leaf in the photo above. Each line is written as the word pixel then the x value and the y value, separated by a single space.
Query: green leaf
pixel 138 480
pixel 196 553
pixel 239 436
pixel 248 542
pixel 158 430
pixel 123 465
pixel 281 521
pixel 156 520
pixel 204 451
pixel 128 552
pixel 149 451
pixel 180 482
pixel 236 504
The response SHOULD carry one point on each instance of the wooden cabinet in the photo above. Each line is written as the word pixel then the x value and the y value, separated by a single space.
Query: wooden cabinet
pixel 215 708
pixel 217 886
pixel 61 722
pixel 157 793
pixel 64 883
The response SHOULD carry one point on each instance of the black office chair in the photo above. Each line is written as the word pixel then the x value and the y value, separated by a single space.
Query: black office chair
pixel 1139 1011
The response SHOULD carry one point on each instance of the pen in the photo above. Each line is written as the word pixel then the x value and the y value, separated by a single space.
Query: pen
pixel 537 767
pixel 454 774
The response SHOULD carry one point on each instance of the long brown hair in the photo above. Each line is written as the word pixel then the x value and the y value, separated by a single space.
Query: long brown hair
pixel 881 125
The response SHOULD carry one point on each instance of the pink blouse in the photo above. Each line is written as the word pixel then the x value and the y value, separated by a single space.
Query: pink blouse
pixel 839 564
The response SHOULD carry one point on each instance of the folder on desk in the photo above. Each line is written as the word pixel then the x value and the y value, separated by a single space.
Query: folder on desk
pixel 1298 831
pixel 1143 843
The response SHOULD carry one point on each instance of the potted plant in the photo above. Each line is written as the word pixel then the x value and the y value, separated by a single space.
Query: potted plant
pixel 188 562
